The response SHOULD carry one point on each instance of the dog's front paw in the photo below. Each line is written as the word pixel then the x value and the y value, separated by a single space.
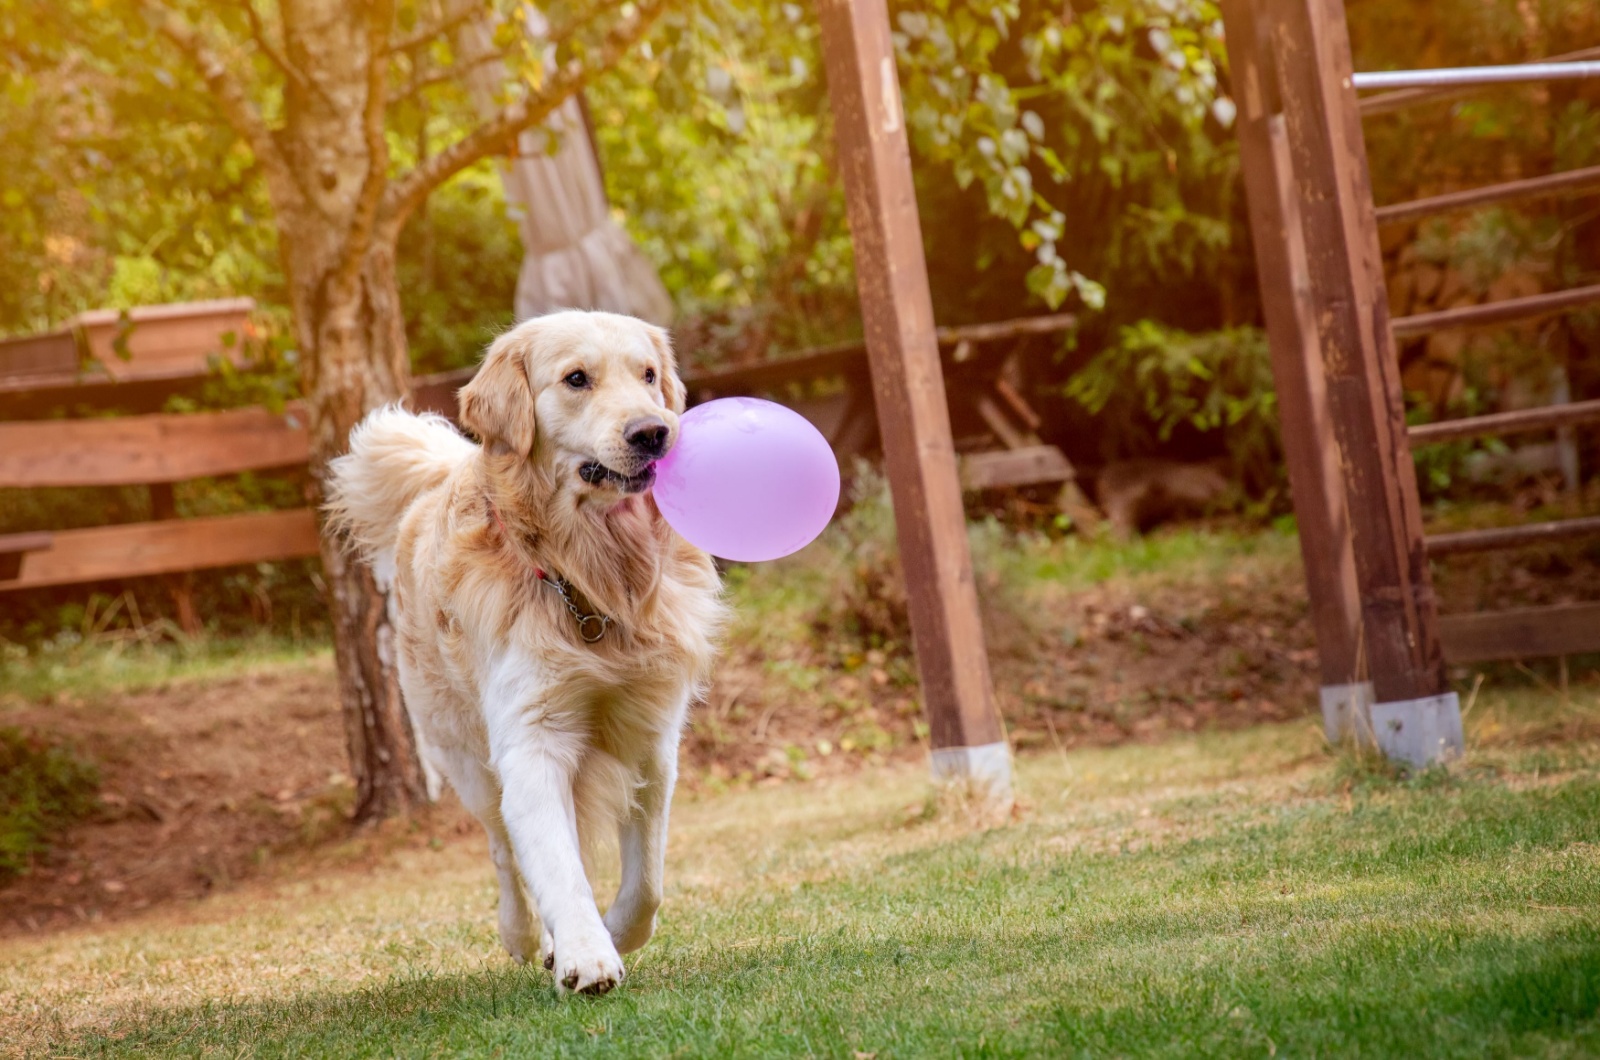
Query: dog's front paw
pixel 588 967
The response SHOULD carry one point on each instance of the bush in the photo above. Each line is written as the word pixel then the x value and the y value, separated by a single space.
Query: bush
pixel 866 604
pixel 1157 380
pixel 43 789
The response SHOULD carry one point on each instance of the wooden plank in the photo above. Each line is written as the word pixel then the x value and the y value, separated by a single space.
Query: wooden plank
pixel 1523 633
pixel 1033 466
pixel 49 355
pixel 14 546
pixel 1502 312
pixel 1399 625
pixel 1018 404
pixel 43 398
pixel 1495 539
pixel 1011 436
pixel 1571 182
pixel 437 392
pixel 908 383
pixel 133 450
pixel 165 341
pixel 850 358
pixel 1311 451
pixel 1548 417
pixel 138 549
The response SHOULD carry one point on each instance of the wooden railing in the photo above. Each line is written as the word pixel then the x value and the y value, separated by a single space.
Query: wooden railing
pixel 153 451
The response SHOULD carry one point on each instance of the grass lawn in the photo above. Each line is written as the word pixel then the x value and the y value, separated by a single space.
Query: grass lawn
pixel 1228 894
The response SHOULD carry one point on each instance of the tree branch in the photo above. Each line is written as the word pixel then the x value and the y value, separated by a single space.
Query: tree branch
pixel 380 16
pixel 231 98
pixel 268 48
pixel 408 191
pixel 434 31
pixel 448 73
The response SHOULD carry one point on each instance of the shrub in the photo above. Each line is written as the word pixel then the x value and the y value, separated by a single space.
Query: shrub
pixel 867 602
pixel 1157 380
pixel 43 789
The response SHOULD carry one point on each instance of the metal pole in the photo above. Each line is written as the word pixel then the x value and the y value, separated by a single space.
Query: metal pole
pixel 1474 75
pixel 1411 97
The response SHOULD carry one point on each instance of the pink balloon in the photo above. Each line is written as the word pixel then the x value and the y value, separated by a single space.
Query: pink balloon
pixel 748 480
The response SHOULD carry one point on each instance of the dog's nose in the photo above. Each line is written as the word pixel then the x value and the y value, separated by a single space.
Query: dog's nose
pixel 647 436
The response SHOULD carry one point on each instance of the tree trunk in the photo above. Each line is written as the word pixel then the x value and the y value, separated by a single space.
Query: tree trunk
pixel 350 336
pixel 361 364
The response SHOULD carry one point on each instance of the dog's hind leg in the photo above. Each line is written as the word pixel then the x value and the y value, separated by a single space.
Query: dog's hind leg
pixel 643 834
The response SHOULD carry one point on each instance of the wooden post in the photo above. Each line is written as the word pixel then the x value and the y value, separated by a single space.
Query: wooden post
pixel 1415 717
pixel 1309 445
pixel 163 505
pixel 908 387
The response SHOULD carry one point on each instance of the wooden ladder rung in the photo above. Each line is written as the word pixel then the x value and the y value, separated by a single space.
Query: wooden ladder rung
pixel 1503 537
pixel 1545 418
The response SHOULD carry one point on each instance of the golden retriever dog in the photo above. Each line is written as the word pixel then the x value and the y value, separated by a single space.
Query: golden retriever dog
pixel 551 630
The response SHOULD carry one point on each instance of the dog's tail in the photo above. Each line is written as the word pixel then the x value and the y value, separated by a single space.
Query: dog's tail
pixel 395 456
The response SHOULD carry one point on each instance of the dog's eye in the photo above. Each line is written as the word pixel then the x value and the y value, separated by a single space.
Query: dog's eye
pixel 649 375
pixel 577 380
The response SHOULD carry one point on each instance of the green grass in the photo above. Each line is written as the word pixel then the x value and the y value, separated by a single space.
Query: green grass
pixel 44 788
pixel 94 668
pixel 1222 895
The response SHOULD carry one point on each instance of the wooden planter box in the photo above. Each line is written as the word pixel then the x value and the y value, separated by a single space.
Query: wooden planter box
pixel 165 341
pixel 50 356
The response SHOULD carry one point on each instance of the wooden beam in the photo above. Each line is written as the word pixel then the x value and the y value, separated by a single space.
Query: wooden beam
pixel 1518 421
pixel 850 358
pixel 1501 312
pixel 1571 182
pixel 1498 538
pixel 1011 436
pixel 1523 633
pixel 437 392
pixel 902 346
pixel 1398 619
pixel 135 450
pixel 137 549
pixel 1018 404
pixel 1033 466
pixel 1310 447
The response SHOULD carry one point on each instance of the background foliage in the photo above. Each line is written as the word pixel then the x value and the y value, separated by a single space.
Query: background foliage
pixel 1077 155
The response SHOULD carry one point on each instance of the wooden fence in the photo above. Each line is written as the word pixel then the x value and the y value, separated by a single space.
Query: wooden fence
pixel 158 451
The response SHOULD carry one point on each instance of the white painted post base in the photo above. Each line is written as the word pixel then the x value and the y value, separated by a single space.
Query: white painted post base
pixel 1346 712
pixel 1420 732
pixel 987 769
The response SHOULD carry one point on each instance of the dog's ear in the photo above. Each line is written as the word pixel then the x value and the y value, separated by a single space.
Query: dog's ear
pixel 497 405
pixel 671 385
